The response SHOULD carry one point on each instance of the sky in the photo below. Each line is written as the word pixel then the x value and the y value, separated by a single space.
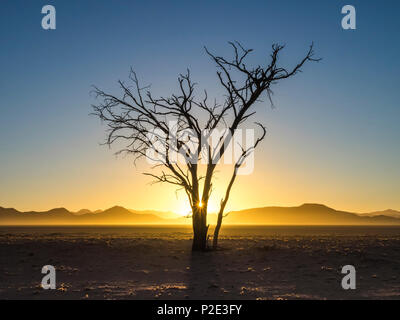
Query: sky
pixel 333 137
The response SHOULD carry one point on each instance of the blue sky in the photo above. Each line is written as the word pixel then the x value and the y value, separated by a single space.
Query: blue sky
pixel 334 135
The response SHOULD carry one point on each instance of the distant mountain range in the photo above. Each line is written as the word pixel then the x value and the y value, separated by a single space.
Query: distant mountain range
pixel 114 215
pixel 309 214
pixel 306 214
pixel 388 213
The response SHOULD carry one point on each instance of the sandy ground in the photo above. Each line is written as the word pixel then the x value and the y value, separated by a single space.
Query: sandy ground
pixel 133 264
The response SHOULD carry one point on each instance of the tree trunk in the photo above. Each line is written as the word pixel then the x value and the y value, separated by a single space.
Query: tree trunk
pixel 223 204
pixel 200 230
pixel 216 231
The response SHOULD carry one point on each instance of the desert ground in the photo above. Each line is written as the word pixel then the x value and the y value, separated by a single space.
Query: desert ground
pixel 157 263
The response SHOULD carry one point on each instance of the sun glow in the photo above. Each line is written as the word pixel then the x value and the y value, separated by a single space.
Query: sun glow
pixel 183 208
pixel 200 204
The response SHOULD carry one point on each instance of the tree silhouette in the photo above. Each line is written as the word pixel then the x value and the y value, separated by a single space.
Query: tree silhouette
pixel 174 132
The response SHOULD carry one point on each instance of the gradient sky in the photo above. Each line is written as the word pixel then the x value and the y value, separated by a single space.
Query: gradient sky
pixel 333 137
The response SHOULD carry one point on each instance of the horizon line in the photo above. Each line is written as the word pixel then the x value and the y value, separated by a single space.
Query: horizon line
pixel 172 211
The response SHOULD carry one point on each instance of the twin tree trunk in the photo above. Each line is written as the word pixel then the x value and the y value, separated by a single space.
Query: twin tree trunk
pixel 200 227
pixel 199 213
pixel 200 230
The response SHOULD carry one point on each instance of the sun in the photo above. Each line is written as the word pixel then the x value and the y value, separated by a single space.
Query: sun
pixel 183 208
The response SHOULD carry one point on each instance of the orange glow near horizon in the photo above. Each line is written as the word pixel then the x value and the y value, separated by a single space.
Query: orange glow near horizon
pixel 276 181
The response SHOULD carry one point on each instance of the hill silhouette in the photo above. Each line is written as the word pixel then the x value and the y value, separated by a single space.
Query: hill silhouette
pixel 388 213
pixel 114 215
pixel 306 214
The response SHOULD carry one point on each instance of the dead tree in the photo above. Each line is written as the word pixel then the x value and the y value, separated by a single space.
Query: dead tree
pixel 166 129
